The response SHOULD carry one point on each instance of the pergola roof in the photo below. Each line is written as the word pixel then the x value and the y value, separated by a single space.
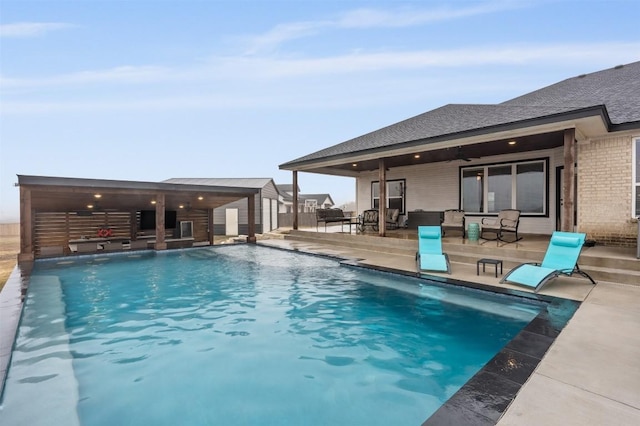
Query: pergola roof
pixel 75 194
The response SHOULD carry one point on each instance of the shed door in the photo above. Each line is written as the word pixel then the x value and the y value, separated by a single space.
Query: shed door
pixel 274 214
pixel 231 222
pixel 266 215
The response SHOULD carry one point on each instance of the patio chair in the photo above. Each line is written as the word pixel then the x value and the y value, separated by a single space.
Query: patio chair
pixel 430 256
pixel 453 221
pixel 369 219
pixel 391 219
pixel 506 222
pixel 561 258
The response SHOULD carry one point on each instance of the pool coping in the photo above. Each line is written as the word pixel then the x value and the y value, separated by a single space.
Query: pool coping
pixel 480 401
pixel 11 302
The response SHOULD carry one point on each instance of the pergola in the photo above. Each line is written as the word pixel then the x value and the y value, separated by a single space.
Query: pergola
pixel 86 196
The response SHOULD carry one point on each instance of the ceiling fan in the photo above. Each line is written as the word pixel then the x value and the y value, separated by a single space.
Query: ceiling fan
pixel 459 155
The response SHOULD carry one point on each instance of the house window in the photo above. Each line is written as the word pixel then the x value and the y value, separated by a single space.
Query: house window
pixel 636 178
pixel 395 195
pixel 491 188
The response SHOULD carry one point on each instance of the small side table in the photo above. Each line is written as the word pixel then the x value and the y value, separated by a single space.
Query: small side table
pixel 484 262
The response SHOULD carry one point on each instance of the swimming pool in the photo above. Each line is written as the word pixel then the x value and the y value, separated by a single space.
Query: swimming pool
pixel 245 335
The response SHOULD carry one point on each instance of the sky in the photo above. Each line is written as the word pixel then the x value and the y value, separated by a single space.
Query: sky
pixel 148 90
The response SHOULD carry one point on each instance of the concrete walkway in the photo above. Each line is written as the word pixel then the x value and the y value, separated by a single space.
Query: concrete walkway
pixel 589 376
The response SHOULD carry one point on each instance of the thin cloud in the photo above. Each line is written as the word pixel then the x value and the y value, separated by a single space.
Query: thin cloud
pixel 409 17
pixel 367 18
pixel 246 69
pixel 31 29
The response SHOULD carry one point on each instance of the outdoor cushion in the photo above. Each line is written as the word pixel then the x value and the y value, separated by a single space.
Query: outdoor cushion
pixel 565 241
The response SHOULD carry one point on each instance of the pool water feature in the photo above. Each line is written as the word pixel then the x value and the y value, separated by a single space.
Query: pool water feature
pixel 245 335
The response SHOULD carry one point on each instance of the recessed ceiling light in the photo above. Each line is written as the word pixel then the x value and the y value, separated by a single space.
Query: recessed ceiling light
pixel 512 142
pixel 354 165
pixel 153 201
pixel 98 195
pixel 181 206
pixel 416 156
pixel 89 206
pixel 201 198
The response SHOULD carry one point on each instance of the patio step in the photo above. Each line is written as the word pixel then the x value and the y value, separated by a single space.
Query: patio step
pixel 602 265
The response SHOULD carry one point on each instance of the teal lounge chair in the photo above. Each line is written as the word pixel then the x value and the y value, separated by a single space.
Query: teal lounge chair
pixel 561 258
pixel 430 256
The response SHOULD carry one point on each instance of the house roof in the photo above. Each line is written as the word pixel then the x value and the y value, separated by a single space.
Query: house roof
pixel 286 187
pixel 612 94
pixel 617 88
pixel 320 198
pixel 257 183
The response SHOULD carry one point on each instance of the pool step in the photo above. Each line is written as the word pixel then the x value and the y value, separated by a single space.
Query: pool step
pixel 601 265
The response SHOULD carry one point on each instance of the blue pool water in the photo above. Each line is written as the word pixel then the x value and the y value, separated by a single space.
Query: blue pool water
pixel 245 335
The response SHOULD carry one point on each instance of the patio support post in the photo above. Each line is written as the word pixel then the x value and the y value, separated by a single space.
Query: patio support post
pixel 210 225
pixel 569 175
pixel 251 238
pixel 160 207
pixel 382 204
pixel 295 199
pixel 133 228
pixel 26 226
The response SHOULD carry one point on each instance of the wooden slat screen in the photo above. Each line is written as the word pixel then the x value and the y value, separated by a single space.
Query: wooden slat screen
pixel 56 229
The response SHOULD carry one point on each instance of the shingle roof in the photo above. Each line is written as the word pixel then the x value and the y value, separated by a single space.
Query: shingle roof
pixel 257 183
pixel 320 198
pixel 286 187
pixel 618 89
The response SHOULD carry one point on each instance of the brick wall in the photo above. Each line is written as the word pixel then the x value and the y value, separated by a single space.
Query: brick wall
pixel 605 191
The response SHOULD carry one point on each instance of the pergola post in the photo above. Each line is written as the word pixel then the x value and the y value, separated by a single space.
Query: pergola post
pixel 211 226
pixel 382 205
pixel 160 208
pixel 295 199
pixel 26 227
pixel 251 200
pixel 569 175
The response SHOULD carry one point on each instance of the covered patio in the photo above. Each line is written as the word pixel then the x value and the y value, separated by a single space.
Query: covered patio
pixel 566 156
pixel 59 215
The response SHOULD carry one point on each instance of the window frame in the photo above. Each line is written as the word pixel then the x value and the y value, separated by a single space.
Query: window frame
pixel 403 196
pixel 514 196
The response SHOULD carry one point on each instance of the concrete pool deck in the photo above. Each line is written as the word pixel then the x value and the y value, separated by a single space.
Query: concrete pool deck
pixel 591 373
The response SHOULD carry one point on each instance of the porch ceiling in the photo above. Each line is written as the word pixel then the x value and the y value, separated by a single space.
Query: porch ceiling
pixel 422 155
